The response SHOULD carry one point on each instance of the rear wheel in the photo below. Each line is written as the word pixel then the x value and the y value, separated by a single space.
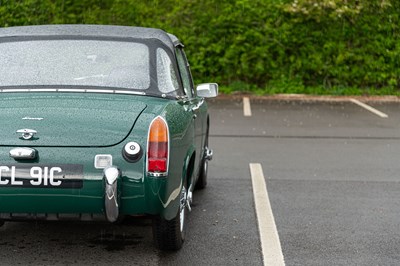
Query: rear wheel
pixel 170 234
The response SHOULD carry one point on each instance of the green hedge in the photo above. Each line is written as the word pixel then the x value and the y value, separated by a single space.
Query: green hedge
pixel 267 46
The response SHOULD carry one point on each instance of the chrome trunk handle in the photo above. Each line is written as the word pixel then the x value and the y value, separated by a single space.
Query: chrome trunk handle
pixel 27 133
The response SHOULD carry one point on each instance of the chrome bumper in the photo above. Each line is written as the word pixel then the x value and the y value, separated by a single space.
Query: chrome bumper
pixel 111 176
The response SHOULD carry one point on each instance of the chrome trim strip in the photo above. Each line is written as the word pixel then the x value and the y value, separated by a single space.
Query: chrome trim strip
pixel 42 90
pixel 71 90
pixel 100 91
pixel 76 90
pixel 15 90
pixel 130 92
pixel 158 174
pixel 32 118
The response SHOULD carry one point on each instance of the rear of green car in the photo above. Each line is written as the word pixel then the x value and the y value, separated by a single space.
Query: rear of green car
pixel 100 122
pixel 73 134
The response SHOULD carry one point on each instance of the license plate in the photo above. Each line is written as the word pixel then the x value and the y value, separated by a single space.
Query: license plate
pixel 42 176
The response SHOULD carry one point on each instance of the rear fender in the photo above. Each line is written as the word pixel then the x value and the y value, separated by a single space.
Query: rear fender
pixel 188 169
pixel 172 209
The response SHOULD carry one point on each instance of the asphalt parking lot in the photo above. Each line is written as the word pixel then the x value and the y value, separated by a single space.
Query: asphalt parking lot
pixel 331 173
pixel 331 170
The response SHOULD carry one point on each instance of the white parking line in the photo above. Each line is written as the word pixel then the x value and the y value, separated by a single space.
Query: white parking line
pixel 246 106
pixel 369 108
pixel 270 244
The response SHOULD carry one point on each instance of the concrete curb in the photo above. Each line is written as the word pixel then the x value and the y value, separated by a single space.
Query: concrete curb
pixel 310 98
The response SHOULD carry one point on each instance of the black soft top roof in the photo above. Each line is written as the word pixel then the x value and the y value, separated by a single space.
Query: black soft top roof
pixel 92 30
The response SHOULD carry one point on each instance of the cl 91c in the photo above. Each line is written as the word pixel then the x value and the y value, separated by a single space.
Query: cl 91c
pixel 38 176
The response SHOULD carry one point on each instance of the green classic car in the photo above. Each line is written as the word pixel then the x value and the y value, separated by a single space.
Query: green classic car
pixel 98 123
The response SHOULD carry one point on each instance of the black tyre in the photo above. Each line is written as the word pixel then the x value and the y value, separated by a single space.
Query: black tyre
pixel 170 235
pixel 202 181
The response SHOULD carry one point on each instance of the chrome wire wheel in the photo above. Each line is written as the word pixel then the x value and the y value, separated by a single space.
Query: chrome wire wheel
pixel 205 168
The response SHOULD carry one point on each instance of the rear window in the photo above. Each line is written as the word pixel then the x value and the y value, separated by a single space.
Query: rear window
pixel 166 75
pixel 98 63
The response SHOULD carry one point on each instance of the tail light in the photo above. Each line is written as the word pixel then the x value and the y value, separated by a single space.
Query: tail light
pixel 158 148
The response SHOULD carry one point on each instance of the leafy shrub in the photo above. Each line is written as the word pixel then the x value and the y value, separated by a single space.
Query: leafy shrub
pixel 280 46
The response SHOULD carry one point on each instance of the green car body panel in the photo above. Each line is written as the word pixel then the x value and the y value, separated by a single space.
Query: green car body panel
pixel 85 128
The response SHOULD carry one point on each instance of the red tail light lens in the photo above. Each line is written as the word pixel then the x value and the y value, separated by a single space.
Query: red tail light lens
pixel 157 149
